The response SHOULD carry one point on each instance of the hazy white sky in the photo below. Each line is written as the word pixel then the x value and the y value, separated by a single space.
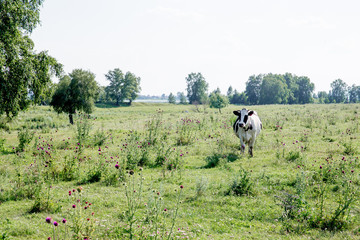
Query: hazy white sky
pixel 162 41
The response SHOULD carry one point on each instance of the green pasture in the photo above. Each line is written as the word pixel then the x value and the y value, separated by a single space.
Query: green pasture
pixel 302 183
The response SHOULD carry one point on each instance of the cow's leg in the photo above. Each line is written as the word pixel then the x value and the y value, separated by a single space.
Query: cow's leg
pixel 251 146
pixel 242 145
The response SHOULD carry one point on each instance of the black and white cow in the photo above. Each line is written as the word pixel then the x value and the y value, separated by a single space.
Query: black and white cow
pixel 247 127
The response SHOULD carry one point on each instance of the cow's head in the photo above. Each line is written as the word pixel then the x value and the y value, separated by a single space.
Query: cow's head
pixel 243 117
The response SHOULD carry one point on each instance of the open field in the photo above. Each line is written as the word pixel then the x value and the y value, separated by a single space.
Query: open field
pixel 160 171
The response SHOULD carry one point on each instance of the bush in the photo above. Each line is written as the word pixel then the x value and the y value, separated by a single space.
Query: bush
pixel 25 137
pixel 241 184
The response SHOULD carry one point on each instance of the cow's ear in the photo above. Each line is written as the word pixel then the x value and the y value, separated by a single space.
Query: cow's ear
pixel 251 112
pixel 237 113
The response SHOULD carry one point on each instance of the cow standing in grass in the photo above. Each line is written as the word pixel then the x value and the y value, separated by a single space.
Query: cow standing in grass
pixel 246 127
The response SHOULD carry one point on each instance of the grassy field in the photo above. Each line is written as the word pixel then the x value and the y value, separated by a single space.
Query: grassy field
pixel 160 171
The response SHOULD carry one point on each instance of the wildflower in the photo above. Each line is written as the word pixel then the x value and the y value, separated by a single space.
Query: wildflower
pixel 117 166
pixel 64 220
pixel 320 167
pixel 181 186
pixel 55 224
pixel 74 206
pixel 165 210
pixel 48 219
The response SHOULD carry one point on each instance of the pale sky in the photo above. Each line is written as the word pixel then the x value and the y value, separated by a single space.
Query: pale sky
pixel 162 41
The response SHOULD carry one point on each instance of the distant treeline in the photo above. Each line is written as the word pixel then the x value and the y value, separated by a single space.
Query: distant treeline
pixel 272 89
pixel 291 89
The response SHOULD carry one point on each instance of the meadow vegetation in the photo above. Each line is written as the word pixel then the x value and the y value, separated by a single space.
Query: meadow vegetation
pixel 164 171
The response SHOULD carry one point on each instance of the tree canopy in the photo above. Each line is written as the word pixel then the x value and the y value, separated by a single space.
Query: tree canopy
pixel 197 88
pixel 23 71
pixel 122 87
pixel 278 89
pixel 217 100
pixel 338 91
pixel 75 92
pixel 172 98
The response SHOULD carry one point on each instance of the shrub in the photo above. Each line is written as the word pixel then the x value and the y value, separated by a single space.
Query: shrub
pixel 241 184
pixel 25 137
pixel 2 143
pixel 99 137
pixel 292 156
pixel 83 127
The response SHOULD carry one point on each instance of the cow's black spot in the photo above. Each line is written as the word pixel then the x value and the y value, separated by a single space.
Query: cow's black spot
pixel 246 118
pixel 236 126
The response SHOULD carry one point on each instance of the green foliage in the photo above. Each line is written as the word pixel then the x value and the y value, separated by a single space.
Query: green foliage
pixel 182 98
pixel 279 89
pixel 83 127
pixel 2 144
pixel 242 184
pixel 253 88
pixel 338 91
pixel 122 86
pixel 196 88
pixel 185 130
pixel 24 72
pixel 76 92
pixel 25 137
pixel 238 98
pixel 172 98
pixel 217 100
pixel 100 137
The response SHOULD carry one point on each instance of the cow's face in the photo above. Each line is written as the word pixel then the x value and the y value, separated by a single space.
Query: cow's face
pixel 243 117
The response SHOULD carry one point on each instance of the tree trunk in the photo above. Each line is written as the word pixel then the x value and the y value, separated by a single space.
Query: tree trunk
pixel 220 110
pixel 130 101
pixel 71 118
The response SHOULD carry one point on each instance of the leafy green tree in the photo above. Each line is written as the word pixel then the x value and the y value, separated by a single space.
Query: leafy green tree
pixel 172 98
pixel 23 71
pixel 338 91
pixel 78 91
pixel 238 98
pixel 122 87
pixel 253 89
pixel 293 88
pixel 323 97
pixel 113 91
pixel 217 100
pixel 102 95
pixel 354 94
pixel 273 90
pixel 131 87
pixel 196 88
pixel 304 90
pixel 182 98
pixel 230 92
